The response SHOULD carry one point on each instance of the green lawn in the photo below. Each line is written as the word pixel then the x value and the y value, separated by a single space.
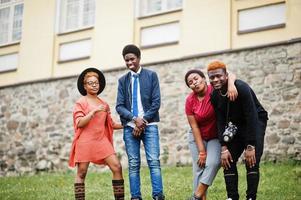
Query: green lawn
pixel 281 181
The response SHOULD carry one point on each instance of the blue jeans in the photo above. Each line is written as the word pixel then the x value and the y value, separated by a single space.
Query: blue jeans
pixel 150 139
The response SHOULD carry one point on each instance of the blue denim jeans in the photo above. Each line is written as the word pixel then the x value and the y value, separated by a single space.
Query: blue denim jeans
pixel 150 139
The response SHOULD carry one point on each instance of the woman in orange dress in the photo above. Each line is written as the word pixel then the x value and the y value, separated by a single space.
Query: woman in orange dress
pixel 93 139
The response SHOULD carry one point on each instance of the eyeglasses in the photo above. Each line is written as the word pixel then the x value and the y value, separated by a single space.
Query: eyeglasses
pixel 91 83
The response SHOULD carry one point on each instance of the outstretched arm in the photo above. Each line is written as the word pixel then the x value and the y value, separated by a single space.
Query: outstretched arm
pixel 116 126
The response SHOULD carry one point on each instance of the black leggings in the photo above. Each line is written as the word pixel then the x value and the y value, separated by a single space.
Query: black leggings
pixel 236 148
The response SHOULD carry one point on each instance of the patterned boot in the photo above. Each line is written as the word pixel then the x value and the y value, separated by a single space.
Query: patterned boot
pixel 118 189
pixel 79 191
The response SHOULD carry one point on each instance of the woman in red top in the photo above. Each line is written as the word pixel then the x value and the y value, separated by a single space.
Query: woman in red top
pixel 203 142
pixel 93 141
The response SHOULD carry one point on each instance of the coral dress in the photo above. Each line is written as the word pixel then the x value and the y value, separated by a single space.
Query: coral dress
pixel 93 142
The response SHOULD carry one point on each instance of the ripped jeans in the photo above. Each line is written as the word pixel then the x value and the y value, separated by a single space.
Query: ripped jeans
pixel 150 139
pixel 236 148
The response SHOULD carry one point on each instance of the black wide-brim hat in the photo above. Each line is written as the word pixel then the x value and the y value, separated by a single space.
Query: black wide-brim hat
pixel 80 81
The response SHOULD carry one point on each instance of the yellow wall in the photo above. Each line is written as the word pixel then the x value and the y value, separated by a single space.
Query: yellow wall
pixel 205 26
pixel 39 46
pixel 113 29
pixel 291 30
pixel 162 52
pixel 36 46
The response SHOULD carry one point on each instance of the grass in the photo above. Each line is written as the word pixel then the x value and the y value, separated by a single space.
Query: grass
pixel 281 181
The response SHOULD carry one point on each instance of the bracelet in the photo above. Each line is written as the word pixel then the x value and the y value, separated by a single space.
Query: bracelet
pixel 202 155
pixel 225 151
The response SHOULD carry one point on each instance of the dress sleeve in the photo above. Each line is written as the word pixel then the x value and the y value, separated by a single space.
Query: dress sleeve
pixel 109 124
pixel 78 113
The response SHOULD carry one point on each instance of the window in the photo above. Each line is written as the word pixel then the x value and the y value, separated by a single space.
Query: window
pixel 75 50
pixel 76 14
pixel 261 18
pixel 149 7
pixel 11 14
pixel 160 34
pixel 8 62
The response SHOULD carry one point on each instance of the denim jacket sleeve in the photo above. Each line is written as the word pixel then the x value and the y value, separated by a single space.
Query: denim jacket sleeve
pixel 156 99
pixel 122 96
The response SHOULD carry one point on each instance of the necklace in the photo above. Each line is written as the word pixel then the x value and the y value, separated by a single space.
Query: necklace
pixel 223 95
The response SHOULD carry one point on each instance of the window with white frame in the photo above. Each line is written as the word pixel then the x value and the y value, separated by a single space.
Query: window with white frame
pixel 160 35
pixel 11 14
pixel 150 7
pixel 9 62
pixel 76 14
pixel 75 50
pixel 261 18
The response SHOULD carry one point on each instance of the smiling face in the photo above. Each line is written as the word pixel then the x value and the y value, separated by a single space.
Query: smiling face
pixel 132 62
pixel 218 78
pixel 196 83
pixel 91 85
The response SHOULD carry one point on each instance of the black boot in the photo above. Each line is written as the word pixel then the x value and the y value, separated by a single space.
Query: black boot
pixel 118 189
pixel 79 191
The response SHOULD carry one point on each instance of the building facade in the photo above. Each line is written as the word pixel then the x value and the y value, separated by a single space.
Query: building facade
pixel 44 45
pixel 58 38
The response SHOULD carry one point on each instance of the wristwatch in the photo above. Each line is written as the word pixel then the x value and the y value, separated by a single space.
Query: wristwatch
pixel 250 147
